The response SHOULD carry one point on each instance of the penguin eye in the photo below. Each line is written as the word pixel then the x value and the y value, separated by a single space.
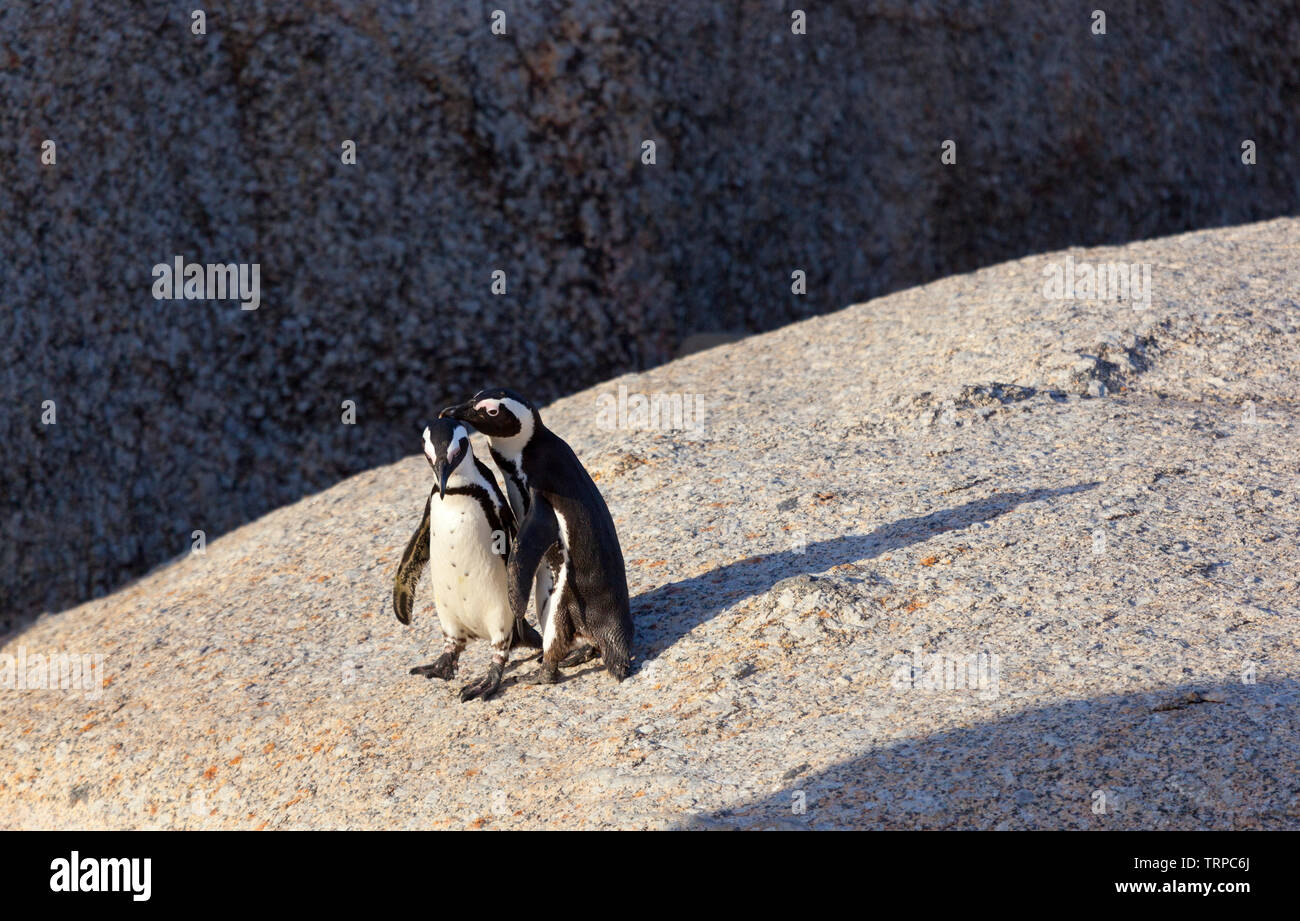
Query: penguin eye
pixel 493 410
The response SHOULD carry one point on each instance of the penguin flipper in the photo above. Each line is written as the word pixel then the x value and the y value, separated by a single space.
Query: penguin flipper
pixel 414 559
pixel 525 635
pixel 539 530
pixel 505 515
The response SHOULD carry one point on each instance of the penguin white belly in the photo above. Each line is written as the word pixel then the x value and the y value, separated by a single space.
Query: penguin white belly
pixel 547 617
pixel 544 596
pixel 469 579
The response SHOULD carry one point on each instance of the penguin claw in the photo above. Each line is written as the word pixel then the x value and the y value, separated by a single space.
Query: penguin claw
pixel 546 674
pixel 485 687
pixel 580 655
pixel 443 667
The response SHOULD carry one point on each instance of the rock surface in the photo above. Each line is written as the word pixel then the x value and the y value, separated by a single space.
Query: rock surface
pixel 477 152
pixel 905 571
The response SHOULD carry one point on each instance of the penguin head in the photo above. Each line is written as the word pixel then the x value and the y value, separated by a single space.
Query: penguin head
pixel 446 446
pixel 497 413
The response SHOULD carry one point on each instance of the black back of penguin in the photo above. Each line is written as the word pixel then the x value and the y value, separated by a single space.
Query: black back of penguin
pixel 597 559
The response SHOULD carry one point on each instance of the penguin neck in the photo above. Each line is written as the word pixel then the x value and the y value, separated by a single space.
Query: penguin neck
pixel 511 447
pixel 465 474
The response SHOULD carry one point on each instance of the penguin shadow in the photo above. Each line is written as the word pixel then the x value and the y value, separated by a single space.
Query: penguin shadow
pixel 666 614
pixel 521 670
pixel 1195 756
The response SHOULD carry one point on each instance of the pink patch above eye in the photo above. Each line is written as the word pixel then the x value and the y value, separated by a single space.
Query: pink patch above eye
pixel 484 404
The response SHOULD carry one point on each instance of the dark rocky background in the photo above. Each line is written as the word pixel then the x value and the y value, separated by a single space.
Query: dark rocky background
pixel 522 152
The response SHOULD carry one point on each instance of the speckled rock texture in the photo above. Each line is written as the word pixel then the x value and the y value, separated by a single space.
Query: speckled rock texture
pixel 959 557
pixel 775 152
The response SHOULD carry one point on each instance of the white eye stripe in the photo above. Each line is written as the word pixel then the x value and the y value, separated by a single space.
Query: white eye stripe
pixel 515 408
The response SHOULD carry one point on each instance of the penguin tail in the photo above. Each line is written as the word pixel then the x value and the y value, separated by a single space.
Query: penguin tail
pixel 616 647
pixel 619 670
pixel 617 662
pixel 524 635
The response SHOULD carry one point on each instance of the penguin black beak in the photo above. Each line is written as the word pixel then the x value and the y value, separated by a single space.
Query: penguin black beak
pixel 461 411
pixel 441 470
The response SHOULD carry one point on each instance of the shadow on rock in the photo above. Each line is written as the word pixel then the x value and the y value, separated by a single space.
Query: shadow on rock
pixel 665 614
pixel 1191 757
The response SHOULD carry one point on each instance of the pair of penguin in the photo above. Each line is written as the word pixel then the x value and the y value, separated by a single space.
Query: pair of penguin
pixel 550 536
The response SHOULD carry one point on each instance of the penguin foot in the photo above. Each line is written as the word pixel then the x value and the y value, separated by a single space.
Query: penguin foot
pixel 546 674
pixel 443 667
pixel 525 636
pixel 486 686
pixel 584 653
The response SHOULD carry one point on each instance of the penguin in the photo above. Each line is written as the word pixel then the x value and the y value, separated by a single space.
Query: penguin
pixel 565 509
pixel 468 533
